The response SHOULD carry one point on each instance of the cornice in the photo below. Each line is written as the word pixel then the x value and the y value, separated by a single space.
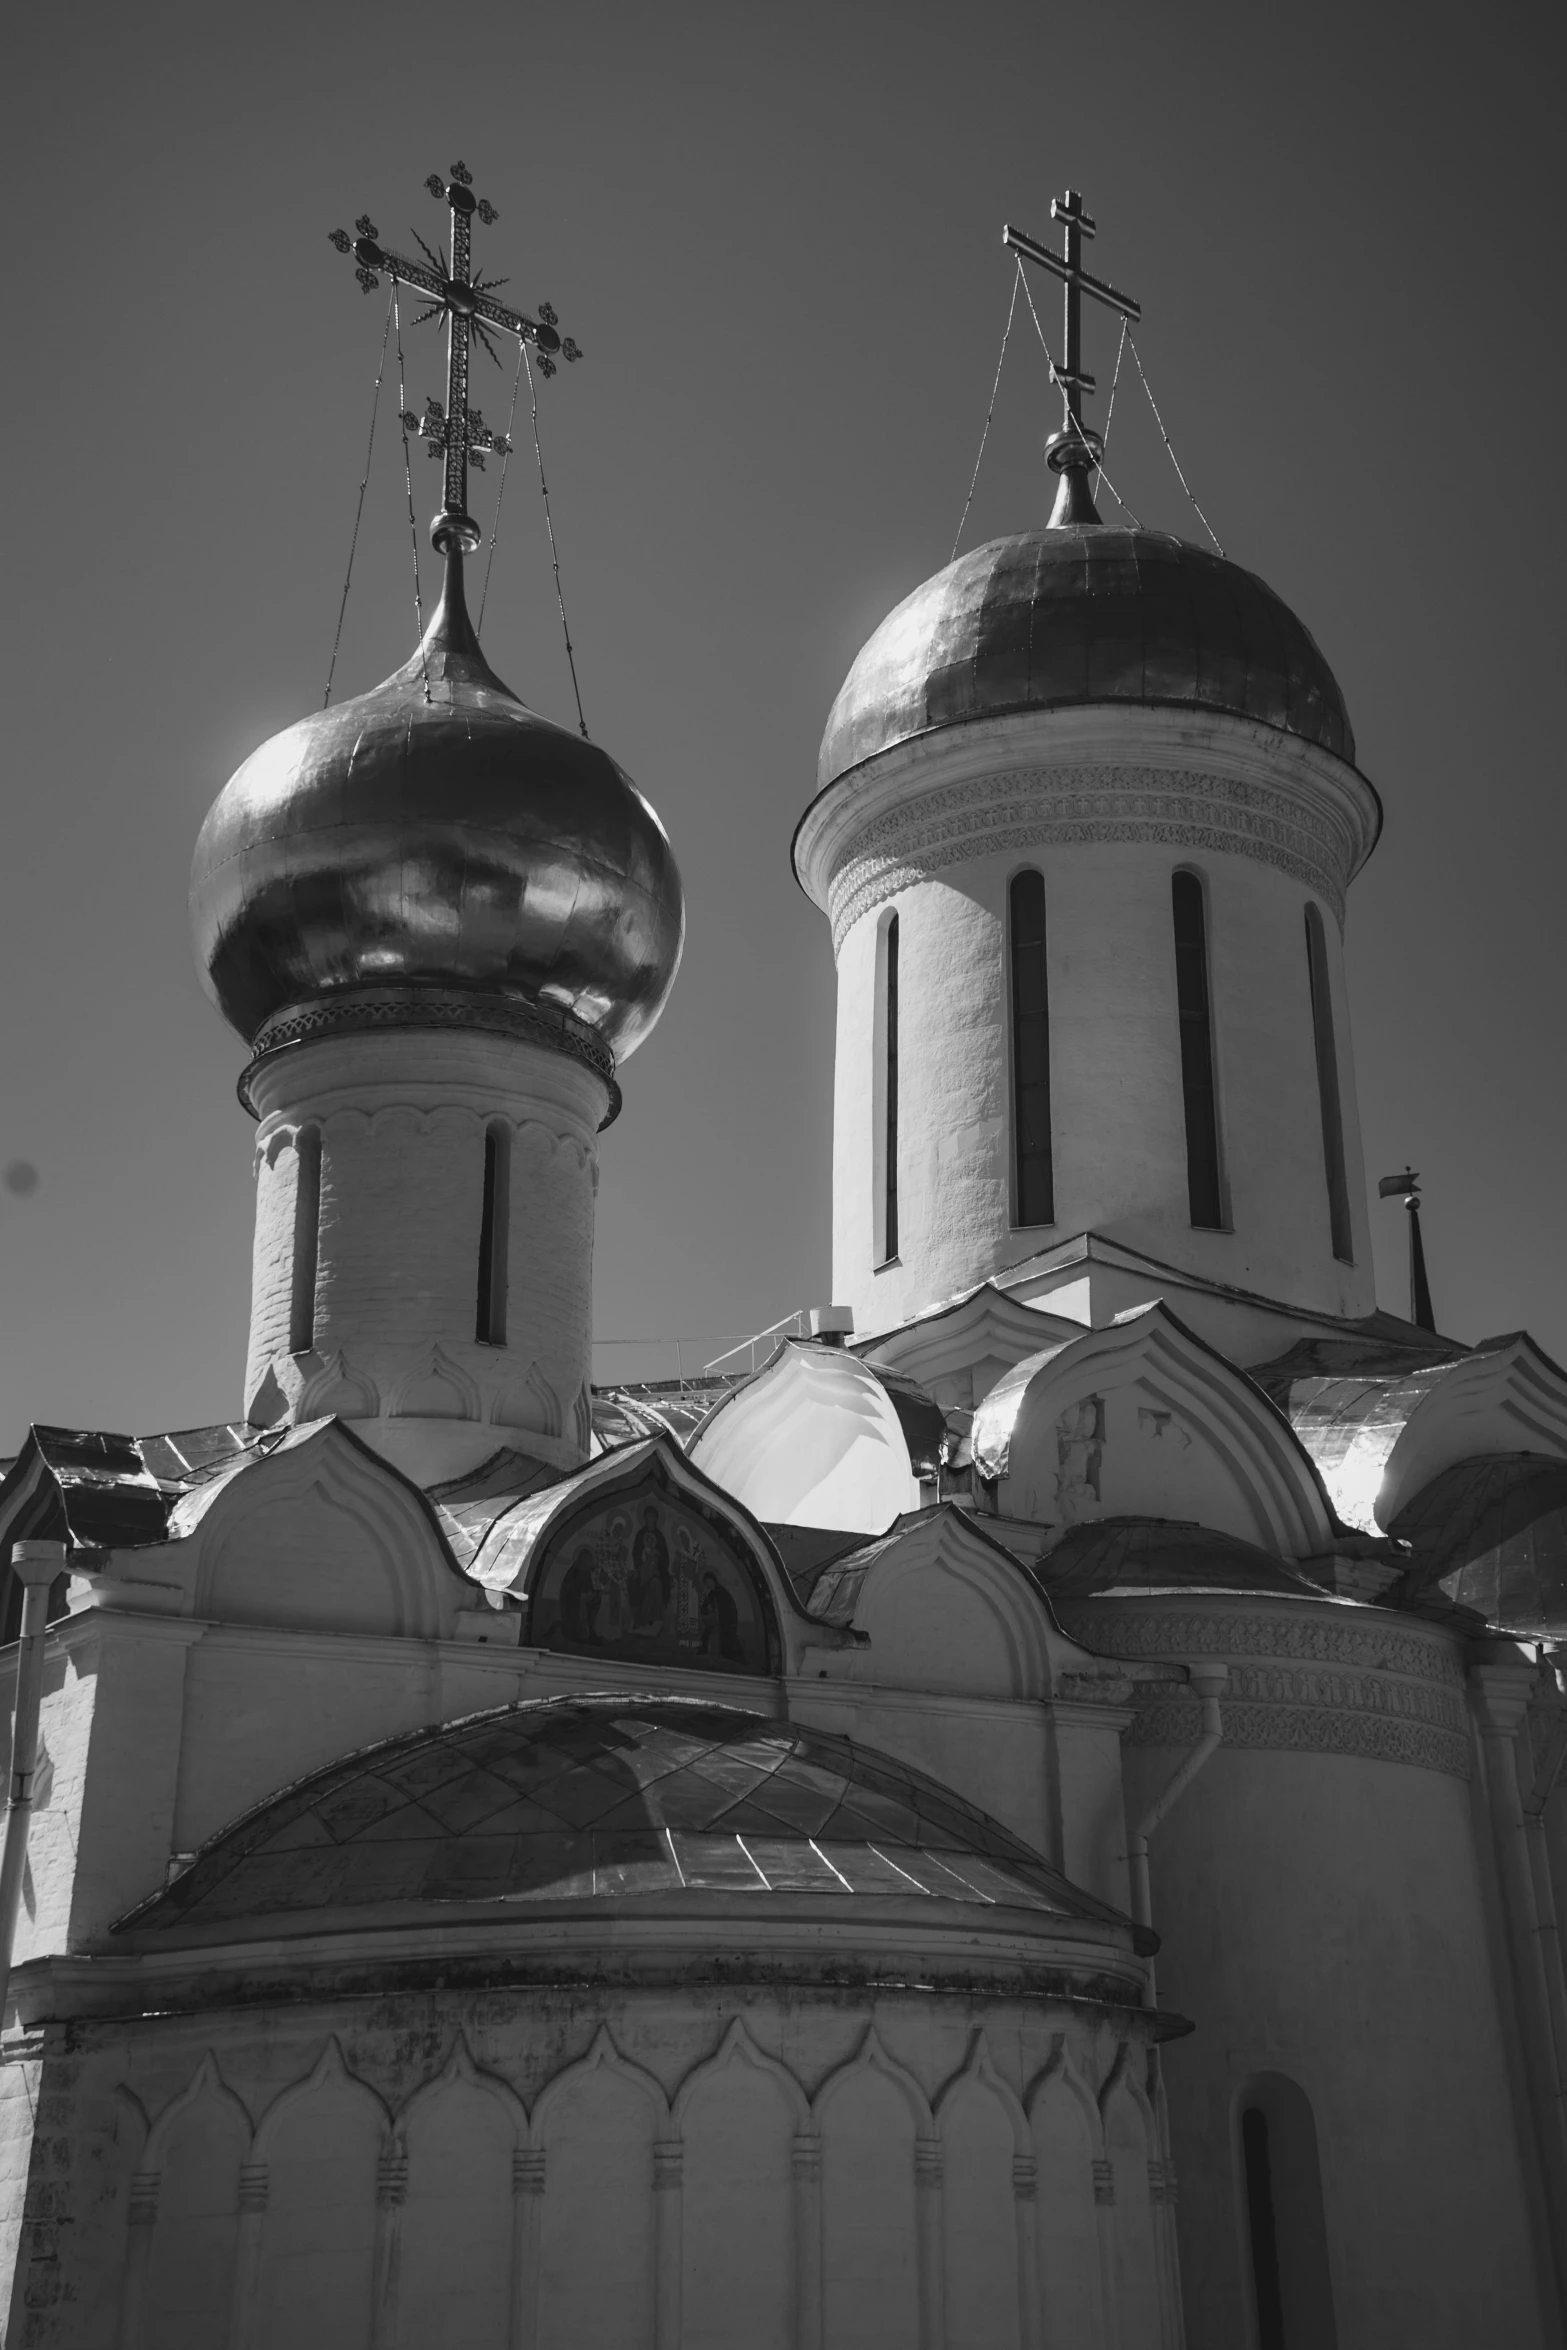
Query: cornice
pixel 375 1010
pixel 1203 782
pixel 1302 1679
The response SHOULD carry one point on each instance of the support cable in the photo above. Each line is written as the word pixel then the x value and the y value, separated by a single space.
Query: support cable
pixel 989 414
pixel 1115 380
pixel 1174 460
pixel 359 510
pixel 408 478
pixel 1055 378
pixel 549 524
pixel 495 526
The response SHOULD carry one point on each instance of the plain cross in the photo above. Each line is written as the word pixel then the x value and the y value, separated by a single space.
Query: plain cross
pixel 457 431
pixel 1068 265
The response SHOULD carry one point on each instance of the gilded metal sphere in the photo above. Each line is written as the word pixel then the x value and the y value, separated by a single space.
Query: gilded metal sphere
pixel 437 832
pixel 1090 613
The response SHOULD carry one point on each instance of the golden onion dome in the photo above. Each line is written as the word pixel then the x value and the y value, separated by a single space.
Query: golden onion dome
pixel 436 834
pixel 1087 612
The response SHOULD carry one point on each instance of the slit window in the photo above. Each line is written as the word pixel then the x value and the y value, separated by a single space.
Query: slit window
pixel 494 1231
pixel 890 1138
pixel 1204 1189
pixel 307 1240
pixel 1033 1173
pixel 1327 1087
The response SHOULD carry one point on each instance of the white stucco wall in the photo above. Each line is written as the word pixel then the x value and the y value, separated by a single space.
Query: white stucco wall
pixel 1321 1895
pixel 1107 804
pixel 600 2168
pixel 403 1118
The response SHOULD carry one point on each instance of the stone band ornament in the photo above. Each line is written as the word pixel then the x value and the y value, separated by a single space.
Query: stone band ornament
pixel 1076 448
pixel 471 311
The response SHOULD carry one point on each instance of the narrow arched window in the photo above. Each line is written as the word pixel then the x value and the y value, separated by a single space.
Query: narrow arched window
pixel 307 1240
pixel 887 1203
pixel 1327 1086
pixel 1033 1173
pixel 1286 2227
pixel 1203 1186
pixel 494 1232
pixel 1262 2225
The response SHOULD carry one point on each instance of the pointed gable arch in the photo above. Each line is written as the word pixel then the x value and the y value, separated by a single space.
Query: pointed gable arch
pixel 328 2076
pixel 320 1532
pixel 1506 1397
pixel 945 1607
pixel 813 1440
pixel 872 2057
pixel 462 2072
pixel 604 2056
pixel 1143 1419
pixel 979 2073
pixel 205 2084
pixel 960 1349
pixel 641 1558
pixel 738 2048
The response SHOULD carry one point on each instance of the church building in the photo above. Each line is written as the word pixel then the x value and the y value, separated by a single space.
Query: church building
pixel 1027 1821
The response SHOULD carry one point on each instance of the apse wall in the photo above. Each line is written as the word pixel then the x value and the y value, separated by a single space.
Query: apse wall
pixel 1322 1902
pixel 684 2171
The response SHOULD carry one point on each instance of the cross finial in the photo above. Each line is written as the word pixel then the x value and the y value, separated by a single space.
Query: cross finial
pixel 1076 449
pixel 456 431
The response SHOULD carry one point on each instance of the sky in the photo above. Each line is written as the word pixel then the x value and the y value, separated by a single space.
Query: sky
pixel 776 235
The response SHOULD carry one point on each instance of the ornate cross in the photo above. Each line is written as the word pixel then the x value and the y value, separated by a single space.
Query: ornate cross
pixel 456 431
pixel 1076 445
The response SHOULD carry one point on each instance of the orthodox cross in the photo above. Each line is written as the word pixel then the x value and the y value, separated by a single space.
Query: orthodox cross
pixel 456 431
pixel 1076 445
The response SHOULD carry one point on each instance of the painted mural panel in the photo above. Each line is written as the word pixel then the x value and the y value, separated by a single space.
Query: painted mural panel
pixel 650 1577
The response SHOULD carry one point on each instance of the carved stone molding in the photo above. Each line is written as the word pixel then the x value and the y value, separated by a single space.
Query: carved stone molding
pixel 1314 1638
pixel 1298 1681
pixel 1368 1734
pixel 365 1010
pixel 1048 807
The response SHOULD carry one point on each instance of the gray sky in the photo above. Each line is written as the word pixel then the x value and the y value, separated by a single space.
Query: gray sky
pixel 776 234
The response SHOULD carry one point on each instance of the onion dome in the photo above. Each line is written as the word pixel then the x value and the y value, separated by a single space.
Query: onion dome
pixel 1061 616
pixel 657 1804
pixel 435 834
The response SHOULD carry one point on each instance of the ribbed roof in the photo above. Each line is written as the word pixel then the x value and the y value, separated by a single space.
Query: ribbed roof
pixel 1093 614
pixel 607 1799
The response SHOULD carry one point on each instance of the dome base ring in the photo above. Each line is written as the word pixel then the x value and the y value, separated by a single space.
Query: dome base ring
pixel 363 1010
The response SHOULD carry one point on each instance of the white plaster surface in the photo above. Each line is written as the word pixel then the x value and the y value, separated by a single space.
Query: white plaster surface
pixel 690 2169
pixel 403 1118
pixel 1323 1910
pixel 1116 1101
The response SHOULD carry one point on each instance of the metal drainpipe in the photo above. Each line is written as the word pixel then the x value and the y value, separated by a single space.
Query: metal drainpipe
pixel 36 1566
pixel 1207 1681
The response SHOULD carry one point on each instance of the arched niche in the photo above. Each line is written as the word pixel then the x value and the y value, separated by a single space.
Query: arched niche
pixel 1284 2223
pixel 647 1567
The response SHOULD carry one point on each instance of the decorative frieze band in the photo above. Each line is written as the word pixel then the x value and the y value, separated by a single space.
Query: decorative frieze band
pixel 1315 1638
pixel 1299 1681
pixel 1052 807
pixel 365 1010
pixel 1370 1732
